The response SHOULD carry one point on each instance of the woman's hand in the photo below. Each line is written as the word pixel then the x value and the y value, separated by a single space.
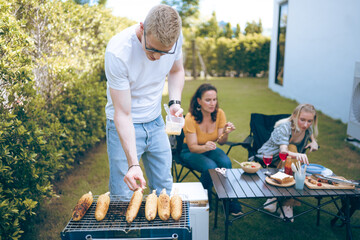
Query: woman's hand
pixel 210 145
pixel 229 127
pixel 313 146
pixel 302 158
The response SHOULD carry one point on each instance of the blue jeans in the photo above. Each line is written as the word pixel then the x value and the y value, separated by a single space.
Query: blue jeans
pixel 202 162
pixel 152 146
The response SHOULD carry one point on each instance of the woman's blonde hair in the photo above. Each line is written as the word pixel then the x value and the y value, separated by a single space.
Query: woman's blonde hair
pixel 295 117
pixel 164 23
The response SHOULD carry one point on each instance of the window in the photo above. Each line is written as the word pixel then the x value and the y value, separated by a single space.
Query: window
pixel 280 52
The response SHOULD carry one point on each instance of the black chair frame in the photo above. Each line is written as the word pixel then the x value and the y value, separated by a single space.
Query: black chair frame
pixel 261 127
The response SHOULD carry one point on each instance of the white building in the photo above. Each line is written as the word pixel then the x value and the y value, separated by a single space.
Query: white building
pixel 314 49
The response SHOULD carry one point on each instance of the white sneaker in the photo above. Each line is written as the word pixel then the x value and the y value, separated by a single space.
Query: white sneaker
pixel 288 211
pixel 271 207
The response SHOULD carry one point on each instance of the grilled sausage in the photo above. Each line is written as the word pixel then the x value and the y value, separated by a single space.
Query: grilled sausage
pixel 102 206
pixel 151 206
pixel 82 206
pixel 134 205
pixel 164 205
pixel 176 207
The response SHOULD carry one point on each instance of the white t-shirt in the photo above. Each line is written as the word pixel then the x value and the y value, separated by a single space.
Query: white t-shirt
pixel 127 67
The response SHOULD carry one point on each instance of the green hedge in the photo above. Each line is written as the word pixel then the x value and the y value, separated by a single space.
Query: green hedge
pixel 52 97
pixel 247 54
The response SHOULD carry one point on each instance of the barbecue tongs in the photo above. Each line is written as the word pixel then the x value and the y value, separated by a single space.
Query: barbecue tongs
pixel 336 180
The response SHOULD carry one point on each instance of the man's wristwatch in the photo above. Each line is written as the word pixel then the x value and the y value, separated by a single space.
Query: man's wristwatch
pixel 171 102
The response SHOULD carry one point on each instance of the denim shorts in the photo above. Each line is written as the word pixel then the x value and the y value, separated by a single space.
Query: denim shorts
pixel 153 148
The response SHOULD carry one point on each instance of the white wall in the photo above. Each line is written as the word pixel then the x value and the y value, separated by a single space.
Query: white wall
pixel 322 46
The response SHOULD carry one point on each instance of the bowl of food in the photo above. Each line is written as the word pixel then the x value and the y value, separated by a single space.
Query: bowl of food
pixel 250 167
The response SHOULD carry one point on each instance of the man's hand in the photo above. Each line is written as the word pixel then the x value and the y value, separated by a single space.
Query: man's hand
pixel 134 173
pixel 176 110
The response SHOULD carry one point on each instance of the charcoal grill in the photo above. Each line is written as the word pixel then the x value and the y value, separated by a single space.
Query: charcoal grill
pixel 114 225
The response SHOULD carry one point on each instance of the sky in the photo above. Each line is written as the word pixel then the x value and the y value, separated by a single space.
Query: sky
pixel 233 11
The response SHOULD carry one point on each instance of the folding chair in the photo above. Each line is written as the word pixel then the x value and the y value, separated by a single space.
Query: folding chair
pixel 176 147
pixel 261 127
pixel 176 143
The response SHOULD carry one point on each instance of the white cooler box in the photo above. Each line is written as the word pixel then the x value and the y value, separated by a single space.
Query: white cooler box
pixel 199 207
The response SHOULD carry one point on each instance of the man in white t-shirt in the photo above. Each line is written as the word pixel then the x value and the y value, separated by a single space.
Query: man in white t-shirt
pixel 137 61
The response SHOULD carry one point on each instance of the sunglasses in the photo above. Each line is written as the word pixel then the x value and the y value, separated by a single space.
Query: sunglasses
pixel 158 51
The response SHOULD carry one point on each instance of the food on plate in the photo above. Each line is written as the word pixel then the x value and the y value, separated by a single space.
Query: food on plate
pixel 282 178
pixel 249 164
pixel 151 206
pixel 102 206
pixel 176 207
pixel 164 205
pixel 250 167
pixel 316 181
pixel 312 181
pixel 82 206
pixel 134 205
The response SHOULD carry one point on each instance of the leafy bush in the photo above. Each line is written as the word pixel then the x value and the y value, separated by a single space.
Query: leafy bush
pixel 52 97
pixel 248 54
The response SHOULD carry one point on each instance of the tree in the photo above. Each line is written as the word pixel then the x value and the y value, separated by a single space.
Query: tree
pixel 253 27
pixel 223 51
pixel 185 8
pixel 228 32
pixel 237 31
pixel 257 48
pixel 209 28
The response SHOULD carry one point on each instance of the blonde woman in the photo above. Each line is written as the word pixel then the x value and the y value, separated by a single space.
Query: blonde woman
pixel 298 129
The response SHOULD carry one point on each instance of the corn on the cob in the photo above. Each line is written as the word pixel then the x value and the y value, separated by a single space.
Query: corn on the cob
pixel 151 206
pixel 176 207
pixel 134 205
pixel 164 205
pixel 102 206
pixel 82 206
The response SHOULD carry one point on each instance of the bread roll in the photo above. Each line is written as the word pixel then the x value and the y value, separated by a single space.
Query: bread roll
pixel 282 178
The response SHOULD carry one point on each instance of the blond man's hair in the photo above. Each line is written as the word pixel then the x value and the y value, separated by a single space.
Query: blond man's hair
pixel 295 117
pixel 164 23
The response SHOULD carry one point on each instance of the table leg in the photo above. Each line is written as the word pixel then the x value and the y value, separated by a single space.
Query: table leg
pixel 226 203
pixel 318 212
pixel 347 218
pixel 216 212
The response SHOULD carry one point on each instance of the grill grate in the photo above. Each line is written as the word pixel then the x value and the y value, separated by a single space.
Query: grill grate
pixel 115 219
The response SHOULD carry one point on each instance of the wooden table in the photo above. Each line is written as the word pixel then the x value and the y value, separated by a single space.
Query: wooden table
pixel 240 185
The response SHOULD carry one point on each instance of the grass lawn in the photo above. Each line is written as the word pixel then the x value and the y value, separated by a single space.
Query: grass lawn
pixel 238 98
